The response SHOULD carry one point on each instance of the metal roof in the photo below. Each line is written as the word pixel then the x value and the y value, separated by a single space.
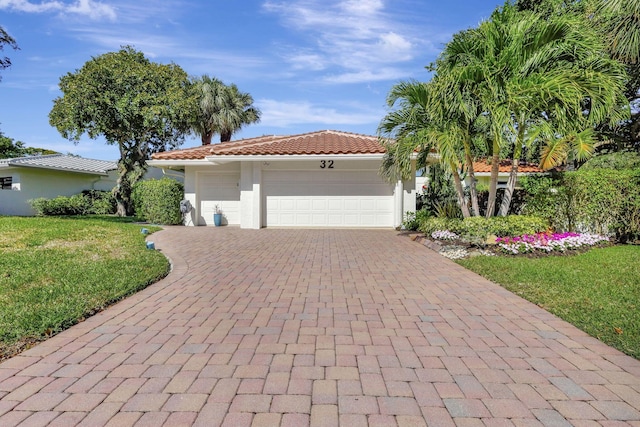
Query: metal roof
pixel 63 162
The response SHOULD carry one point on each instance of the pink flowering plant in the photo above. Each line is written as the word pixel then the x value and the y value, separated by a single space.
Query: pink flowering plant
pixel 548 242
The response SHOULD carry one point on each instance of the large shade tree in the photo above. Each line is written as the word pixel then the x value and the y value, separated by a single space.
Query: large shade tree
pixel 6 40
pixel 220 109
pixel 138 105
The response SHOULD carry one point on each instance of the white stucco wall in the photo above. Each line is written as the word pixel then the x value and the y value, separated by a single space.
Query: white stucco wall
pixel 34 183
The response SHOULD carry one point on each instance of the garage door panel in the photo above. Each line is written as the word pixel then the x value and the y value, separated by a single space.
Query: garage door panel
pixel 336 205
pixel 302 204
pixel 319 204
pixel 221 190
pixel 327 198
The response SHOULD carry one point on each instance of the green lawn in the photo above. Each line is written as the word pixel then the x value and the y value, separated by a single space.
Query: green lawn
pixel 597 291
pixel 56 271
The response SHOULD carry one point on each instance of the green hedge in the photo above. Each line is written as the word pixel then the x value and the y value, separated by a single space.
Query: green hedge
pixel 158 201
pixel 87 203
pixel 603 201
pixel 478 229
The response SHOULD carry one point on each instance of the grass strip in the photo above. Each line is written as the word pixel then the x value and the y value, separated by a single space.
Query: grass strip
pixel 597 291
pixel 56 271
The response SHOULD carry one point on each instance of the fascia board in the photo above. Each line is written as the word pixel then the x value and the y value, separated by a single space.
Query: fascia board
pixel 292 157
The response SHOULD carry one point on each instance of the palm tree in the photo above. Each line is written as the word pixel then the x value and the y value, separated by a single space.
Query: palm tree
pixel 535 77
pixel 621 23
pixel 238 111
pixel 422 121
pixel 221 109
pixel 209 95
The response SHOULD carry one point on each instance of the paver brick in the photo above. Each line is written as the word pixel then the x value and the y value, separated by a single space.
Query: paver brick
pixel 145 402
pixel 325 333
pixel 84 402
pixel 42 402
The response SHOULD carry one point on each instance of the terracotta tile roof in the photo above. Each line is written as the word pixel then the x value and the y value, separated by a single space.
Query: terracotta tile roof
pixel 482 166
pixel 322 142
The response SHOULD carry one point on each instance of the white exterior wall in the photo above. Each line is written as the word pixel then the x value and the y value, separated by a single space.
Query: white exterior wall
pixel 252 198
pixel 193 179
pixel 32 183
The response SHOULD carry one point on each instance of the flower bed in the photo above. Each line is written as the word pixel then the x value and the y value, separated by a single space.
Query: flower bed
pixel 548 242
pixel 453 246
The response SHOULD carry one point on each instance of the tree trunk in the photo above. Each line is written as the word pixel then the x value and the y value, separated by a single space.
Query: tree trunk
pixel 493 183
pixel 460 191
pixel 120 189
pixel 511 185
pixel 131 168
pixel 513 173
pixel 475 208
pixel 206 138
pixel 225 135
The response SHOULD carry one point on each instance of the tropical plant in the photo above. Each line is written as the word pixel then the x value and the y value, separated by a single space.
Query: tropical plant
pixel 141 106
pixel 238 111
pixel 220 109
pixel 535 76
pixel 421 122
pixel 207 93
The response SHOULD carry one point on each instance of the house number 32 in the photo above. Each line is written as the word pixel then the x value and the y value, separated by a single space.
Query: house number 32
pixel 326 164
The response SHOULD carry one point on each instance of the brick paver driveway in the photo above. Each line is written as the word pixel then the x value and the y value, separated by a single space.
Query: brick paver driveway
pixel 321 327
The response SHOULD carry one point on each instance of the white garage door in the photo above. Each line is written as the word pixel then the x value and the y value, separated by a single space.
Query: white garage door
pixel 330 198
pixel 220 189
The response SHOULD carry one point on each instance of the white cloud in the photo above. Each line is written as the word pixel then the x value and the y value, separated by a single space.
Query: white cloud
pixel 383 74
pixel 363 7
pixel 353 38
pixel 307 61
pixel 289 113
pixel 92 9
pixel 26 6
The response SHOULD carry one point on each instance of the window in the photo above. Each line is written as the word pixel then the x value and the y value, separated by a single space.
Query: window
pixel 5 182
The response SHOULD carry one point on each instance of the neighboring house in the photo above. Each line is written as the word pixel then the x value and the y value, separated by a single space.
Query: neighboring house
pixel 482 171
pixel 318 179
pixel 26 178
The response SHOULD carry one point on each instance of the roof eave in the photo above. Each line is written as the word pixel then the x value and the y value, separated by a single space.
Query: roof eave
pixel 159 163
pixel 285 157
pixel 84 172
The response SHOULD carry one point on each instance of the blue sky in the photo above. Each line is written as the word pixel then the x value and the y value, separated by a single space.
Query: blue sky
pixel 309 64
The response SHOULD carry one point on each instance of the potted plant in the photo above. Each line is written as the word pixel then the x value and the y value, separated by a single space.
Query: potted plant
pixel 217 216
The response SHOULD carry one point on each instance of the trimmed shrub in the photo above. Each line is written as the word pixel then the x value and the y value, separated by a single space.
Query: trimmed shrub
pixel 87 203
pixel 158 201
pixel 604 201
pixel 619 161
pixel 431 224
pixel 61 205
pixel 478 229
pixel 100 202
pixel 545 197
pixel 599 201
